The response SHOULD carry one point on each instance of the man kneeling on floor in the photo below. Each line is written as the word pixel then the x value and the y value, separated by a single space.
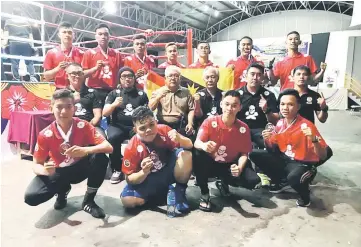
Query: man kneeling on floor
pixel 76 151
pixel 223 144
pixel 299 147
pixel 154 159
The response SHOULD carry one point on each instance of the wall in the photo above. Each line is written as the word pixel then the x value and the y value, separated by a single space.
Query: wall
pixel 356 65
pixel 278 24
pixel 340 54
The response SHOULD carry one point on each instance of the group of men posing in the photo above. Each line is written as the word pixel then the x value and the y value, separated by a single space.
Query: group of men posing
pixel 212 133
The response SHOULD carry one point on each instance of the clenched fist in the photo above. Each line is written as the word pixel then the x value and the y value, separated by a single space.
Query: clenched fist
pixel 209 146
pixel 173 135
pixel 118 101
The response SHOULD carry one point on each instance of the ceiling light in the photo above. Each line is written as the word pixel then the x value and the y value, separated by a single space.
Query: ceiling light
pixel 206 8
pixel 216 13
pixel 110 7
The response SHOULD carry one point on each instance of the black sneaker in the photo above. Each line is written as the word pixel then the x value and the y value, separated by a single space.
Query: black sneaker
pixel 278 188
pixel 61 201
pixel 93 209
pixel 304 202
pixel 223 188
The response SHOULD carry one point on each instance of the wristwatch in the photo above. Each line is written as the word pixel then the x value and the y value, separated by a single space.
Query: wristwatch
pixel 315 139
pixel 325 109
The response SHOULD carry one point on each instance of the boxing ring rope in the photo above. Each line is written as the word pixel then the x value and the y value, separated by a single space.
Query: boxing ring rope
pixel 128 38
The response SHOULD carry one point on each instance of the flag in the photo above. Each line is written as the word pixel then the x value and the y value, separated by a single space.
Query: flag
pixel 190 78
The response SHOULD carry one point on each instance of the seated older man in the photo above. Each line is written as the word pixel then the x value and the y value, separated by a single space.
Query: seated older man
pixel 174 103
pixel 207 102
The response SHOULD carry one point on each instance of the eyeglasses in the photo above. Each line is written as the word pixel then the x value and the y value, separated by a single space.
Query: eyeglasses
pixel 127 77
pixel 173 76
pixel 76 73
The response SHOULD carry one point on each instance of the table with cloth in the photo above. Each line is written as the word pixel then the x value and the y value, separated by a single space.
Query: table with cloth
pixel 25 126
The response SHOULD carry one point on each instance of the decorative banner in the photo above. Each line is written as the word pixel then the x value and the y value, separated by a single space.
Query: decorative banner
pixel 24 97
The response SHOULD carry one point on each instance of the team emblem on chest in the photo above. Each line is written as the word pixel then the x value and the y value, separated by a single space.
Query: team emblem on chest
pixel 128 111
pixel 213 111
pixel 80 111
pixel 251 113
pixel 221 153
pixel 289 152
pixel 106 73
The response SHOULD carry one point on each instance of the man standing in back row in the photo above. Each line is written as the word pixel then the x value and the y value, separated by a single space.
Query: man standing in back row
pixel 241 63
pixel 58 58
pixel 282 69
pixel 139 62
pixel 171 51
pixel 203 51
pixel 101 64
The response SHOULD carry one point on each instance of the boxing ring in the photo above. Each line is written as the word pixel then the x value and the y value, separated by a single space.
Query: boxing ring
pixel 35 96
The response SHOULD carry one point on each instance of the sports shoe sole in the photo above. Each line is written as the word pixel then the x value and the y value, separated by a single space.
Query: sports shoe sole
pixel 115 181
pixel 304 206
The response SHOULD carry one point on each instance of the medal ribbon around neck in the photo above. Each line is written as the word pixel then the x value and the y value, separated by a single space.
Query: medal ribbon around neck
pixel 66 144
pixel 69 56
pixel 104 54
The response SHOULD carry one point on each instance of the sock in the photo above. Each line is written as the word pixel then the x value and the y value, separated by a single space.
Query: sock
pixel 181 185
pixel 91 190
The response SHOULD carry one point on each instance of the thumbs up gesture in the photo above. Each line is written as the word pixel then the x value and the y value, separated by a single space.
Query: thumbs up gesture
pixel 322 101
pixel 263 103
pixel 323 66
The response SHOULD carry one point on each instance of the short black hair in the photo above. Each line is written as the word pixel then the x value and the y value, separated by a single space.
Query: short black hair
pixel 140 36
pixel 170 44
pixel 289 91
pixel 293 32
pixel 62 94
pixel 257 66
pixel 302 67
pixel 246 37
pixel 65 24
pixel 141 113
pixel 203 42
pixel 233 93
pixel 102 25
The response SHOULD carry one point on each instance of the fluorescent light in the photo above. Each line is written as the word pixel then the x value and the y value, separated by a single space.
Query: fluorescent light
pixel 110 7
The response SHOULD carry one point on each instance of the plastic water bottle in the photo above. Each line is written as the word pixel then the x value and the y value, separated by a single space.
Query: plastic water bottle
pixel 171 202
pixel 104 123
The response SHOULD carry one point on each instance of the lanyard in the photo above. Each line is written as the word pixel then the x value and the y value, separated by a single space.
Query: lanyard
pixel 69 56
pixel 104 54
pixel 66 136
pixel 289 126
pixel 142 61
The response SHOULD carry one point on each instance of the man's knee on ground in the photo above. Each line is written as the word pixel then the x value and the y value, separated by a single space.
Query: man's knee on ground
pixel 185 157
pixel 31 199
pixel 132 202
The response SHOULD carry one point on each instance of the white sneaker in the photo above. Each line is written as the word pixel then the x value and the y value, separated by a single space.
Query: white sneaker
pixel 116 177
